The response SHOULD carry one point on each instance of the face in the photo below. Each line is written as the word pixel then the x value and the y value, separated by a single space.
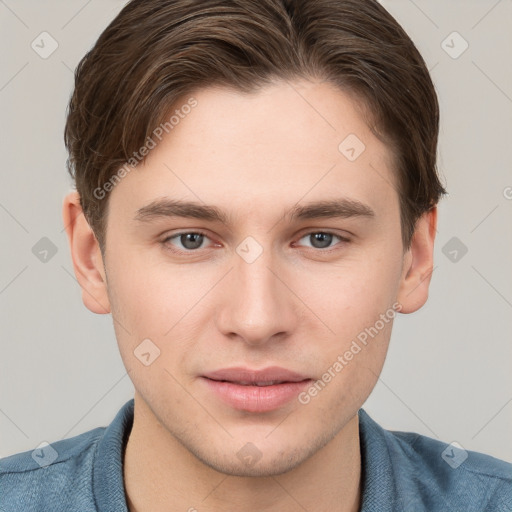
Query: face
pixel 258 273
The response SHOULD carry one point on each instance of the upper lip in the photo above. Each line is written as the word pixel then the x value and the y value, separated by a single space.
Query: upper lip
pixel 270 374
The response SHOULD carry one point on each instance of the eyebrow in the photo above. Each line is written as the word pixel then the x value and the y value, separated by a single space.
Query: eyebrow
pixel 334 208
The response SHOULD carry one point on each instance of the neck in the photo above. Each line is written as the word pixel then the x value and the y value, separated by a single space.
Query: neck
pixel 160 474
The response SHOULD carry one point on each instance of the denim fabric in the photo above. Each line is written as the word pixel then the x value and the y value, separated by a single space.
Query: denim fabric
pixel 401 471
pixel 408 472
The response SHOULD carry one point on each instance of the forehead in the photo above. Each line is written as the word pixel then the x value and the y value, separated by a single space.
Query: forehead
pixel 286 143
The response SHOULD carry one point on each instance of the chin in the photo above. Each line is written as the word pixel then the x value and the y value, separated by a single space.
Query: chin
pixel 245 459
pixel 278 465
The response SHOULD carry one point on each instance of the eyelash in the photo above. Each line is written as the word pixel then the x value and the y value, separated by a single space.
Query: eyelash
pixel 167 245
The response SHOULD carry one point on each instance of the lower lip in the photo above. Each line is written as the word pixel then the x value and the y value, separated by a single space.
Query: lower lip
pixel 256 398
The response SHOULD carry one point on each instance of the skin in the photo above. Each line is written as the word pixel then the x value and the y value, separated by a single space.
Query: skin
pixel 298 305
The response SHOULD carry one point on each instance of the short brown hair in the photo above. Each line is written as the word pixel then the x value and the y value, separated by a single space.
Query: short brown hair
pixel 156 51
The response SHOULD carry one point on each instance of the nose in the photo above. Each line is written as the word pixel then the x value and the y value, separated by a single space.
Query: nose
pixel 258 306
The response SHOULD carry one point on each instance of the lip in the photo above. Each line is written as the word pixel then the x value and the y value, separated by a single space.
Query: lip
pixel 269 374
pixel 225 384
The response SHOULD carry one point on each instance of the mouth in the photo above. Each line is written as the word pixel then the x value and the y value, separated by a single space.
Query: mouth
pixel 256 390
pixel 261 384
pixel 250 377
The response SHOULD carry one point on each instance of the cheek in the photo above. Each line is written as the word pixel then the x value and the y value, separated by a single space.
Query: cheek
pixel 152 294
pixel 156 301
pixel 355 300
pixel 350 295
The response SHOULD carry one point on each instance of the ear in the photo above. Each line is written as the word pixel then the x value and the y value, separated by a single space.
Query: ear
pixel 86 256
pixel 418 264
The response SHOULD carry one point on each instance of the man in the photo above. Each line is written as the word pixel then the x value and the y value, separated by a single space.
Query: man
pixel 258 186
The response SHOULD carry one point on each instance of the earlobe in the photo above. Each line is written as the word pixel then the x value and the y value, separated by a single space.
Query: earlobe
pixel 86 256
pixel 418 264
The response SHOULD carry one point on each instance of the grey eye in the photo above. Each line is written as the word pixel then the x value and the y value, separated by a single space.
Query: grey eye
pixel 191 240
pixel 188 241
pixel 320 239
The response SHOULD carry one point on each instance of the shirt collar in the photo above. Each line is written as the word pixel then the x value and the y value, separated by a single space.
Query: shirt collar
pixel 377 473
pixel 108 483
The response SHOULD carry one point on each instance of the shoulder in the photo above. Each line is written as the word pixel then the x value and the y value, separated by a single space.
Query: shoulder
pixel 442 475
pixel 51 477
pixel 477 480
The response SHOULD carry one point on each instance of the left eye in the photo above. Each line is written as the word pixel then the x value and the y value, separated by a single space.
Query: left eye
pixel 189 241
pixel 321 239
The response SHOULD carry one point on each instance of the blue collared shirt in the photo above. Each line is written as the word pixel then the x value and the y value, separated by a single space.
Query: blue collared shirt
pixel 401 472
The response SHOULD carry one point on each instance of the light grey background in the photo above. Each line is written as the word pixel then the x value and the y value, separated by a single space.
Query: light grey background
pixel 448 372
